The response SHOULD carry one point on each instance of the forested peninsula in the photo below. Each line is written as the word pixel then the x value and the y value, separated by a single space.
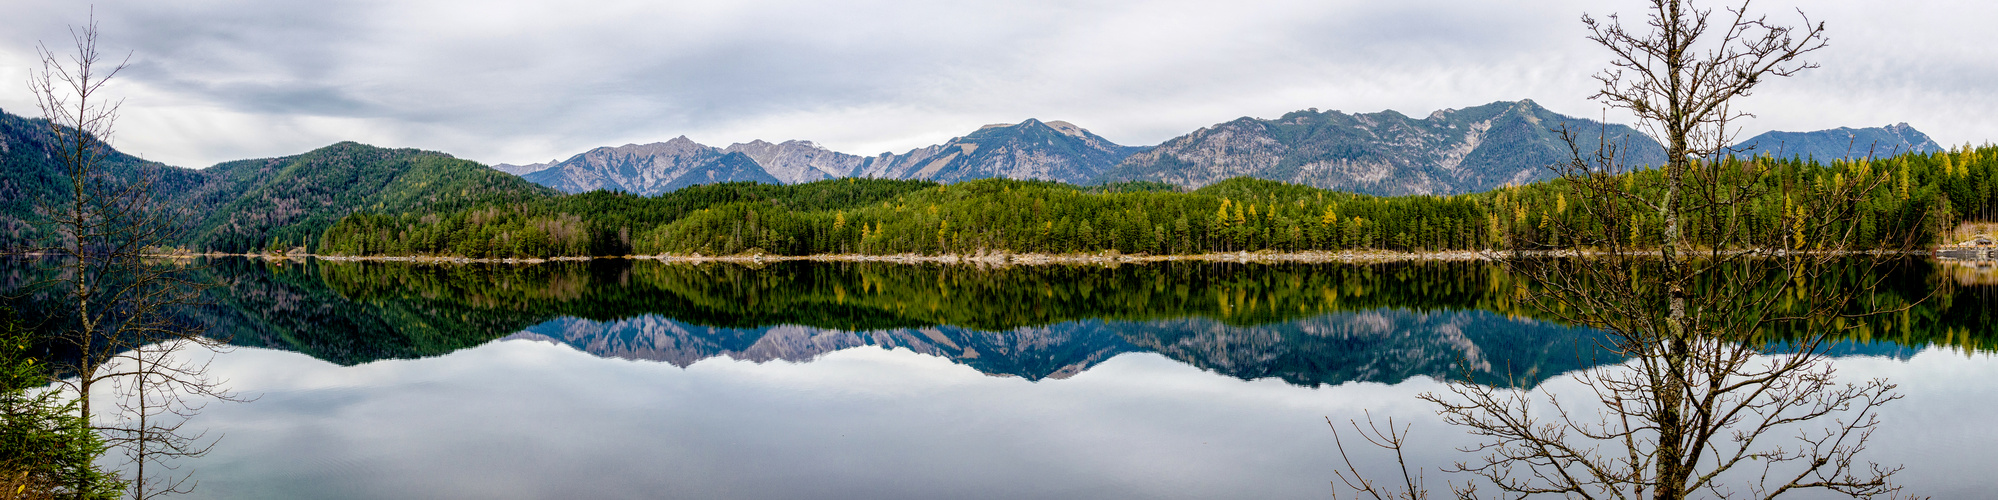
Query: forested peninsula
pixel 1912 197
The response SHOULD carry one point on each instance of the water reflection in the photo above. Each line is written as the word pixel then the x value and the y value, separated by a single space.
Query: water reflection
pixel 1306 324
pixel 1383 345
pixel 876 381
pixel 522 419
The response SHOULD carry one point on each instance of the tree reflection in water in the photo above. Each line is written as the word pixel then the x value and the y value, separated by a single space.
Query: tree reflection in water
pixel 1305 324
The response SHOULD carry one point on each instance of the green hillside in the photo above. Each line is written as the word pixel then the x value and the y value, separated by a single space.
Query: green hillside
pixel 30 177
pixel 289 201
pixel 592 223
pixel 251 205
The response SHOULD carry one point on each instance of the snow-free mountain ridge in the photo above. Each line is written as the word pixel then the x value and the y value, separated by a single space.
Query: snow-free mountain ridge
pixel 1387 153
pixel 1450 151
pixel 1032 149
pixel 1840 143
pixel 650 168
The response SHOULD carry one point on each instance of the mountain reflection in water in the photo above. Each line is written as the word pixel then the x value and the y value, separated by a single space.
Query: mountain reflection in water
pixel 1384 345
pixel 1304 324
pixel 1307 325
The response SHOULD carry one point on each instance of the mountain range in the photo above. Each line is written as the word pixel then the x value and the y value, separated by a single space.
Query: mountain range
pixel 650 168
pixel 1840 143
pixel 1449 151
pixel 240 205
pixel 1055 151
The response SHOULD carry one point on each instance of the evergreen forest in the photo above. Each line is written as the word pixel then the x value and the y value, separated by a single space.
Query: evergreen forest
pixel 1909 199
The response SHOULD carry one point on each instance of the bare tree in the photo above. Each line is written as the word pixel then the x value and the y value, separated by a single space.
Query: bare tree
pixel 1412 487
pixel 122 326
pixel 159 394
pixel 1691 290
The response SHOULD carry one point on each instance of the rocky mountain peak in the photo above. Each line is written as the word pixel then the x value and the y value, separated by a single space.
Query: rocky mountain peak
pixel 1060 127
pixel 1449 150
pixel 525 169
pixel 1067 128
pixel 1386 152
pixel 678 146
pixel 650 168
pixel 807 144
pixel 797 161
pixel 1031 149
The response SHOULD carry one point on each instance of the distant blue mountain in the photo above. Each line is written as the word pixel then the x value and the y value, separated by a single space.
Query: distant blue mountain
pixel 1840 143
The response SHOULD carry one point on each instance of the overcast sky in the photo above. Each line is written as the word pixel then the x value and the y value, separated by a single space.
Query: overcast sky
pixel 502 81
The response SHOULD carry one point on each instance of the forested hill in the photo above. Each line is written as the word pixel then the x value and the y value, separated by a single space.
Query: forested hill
pixel 256 204
pixel 1916 196
pixel 592 223
pixel 30 176
pixel 288 202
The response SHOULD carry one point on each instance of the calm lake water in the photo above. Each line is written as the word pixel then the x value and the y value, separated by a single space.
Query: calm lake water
pixel 616 379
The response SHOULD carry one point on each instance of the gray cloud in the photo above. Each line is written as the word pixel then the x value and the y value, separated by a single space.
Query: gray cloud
pixel 529 81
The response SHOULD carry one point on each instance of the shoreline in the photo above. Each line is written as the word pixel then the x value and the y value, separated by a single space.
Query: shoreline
pixel 988 259
pixel 984 259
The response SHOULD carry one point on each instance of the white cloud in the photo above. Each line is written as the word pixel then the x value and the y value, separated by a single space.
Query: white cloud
pixel 524 82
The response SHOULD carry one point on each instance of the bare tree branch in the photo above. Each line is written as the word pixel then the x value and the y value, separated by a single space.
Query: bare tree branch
pixel 122 326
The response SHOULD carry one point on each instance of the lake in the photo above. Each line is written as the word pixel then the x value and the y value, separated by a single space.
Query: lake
pixel 637 379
